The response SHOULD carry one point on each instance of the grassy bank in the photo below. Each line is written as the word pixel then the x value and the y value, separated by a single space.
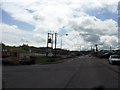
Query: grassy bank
pixel 46 60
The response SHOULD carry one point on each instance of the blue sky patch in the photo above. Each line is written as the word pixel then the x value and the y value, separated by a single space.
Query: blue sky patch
pixel 63 31
pixel 103 14
pixel 7 19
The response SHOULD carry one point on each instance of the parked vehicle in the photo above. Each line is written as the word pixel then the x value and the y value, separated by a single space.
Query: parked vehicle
pixel 14 57
pixel 114 59
pixel 27 60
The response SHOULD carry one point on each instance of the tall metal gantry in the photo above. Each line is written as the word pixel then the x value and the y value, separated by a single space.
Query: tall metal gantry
pixel 50 40
pixel 49 44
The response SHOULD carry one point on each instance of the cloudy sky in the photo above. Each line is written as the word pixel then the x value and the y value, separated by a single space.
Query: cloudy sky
pixel 87 22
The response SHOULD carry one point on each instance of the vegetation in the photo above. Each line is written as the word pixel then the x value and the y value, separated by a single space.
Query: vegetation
pixel 25 48
pixel 39 53
pixel 60 53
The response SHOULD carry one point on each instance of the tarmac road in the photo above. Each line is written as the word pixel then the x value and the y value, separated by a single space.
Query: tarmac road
pixel 80 72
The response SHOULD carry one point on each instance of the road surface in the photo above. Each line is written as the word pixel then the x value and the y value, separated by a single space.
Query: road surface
pixel 80 72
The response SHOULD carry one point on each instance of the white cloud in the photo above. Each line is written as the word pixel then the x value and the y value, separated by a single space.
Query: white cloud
pixel 12 35
pixel 92 30
pixel 52 15
pixel 109 41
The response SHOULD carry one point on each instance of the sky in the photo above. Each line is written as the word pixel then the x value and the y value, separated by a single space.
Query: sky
pixel 87 22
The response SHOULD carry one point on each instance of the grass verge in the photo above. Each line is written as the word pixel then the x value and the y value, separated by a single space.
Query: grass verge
pixel 47 60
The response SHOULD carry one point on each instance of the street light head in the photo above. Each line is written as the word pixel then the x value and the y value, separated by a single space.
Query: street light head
pixel 66 34
pixel 96 44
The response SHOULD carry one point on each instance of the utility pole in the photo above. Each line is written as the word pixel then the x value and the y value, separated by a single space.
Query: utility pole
pixel 47 45
pixel 52 41
pixel 61 42
pixel 96 47
pixel 91 49
pixel 80 47
pixel 55 42
pixel 110 49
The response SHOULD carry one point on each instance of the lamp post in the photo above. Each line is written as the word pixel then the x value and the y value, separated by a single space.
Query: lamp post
pixel 56 42
pixel 61 41
pixel 50 41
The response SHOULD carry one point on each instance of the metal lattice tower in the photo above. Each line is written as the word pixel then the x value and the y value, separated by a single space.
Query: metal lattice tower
pixel 49 44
